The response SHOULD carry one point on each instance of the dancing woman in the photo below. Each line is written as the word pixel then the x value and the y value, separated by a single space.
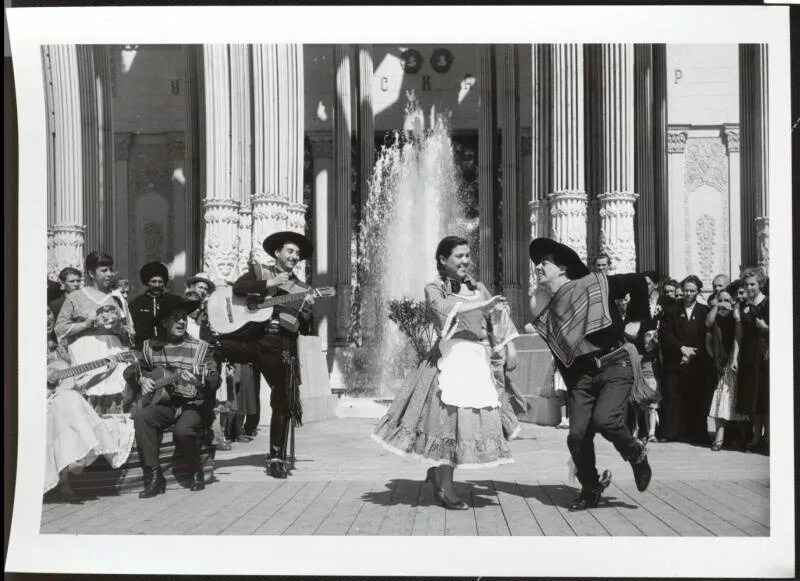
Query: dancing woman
pixel 448 415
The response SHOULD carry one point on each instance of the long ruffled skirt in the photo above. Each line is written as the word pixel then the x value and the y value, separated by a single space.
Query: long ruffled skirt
pixel 420 425
pixel 76 436
pixel 723 402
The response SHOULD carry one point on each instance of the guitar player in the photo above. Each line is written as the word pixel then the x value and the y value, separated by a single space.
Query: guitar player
pixel 191 363
pixel 271 346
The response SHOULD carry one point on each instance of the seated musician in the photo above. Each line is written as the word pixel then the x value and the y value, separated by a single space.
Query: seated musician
pixel 190 364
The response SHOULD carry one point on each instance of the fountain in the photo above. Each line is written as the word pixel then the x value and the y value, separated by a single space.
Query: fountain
pixel 412 202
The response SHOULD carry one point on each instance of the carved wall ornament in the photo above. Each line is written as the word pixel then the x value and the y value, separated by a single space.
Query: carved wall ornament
pixel 706 163
pixel 732 139
pixel 706 237
pixel 67 249
pixel 568 219
pixel 762 233
pixel 676 141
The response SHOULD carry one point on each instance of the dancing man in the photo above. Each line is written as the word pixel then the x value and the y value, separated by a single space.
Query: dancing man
pixel 575 314
pixel 272 346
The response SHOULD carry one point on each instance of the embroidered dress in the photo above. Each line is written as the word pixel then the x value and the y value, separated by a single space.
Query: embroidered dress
pixel 105 390
pixel 77 436
pixel 449 412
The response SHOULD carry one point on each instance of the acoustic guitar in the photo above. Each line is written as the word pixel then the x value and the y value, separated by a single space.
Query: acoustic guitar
pixel 164 384
pixel 66 376
pixel 228 312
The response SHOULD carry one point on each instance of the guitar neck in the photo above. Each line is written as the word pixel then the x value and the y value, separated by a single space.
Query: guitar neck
pixel 80 369
pixel 281 300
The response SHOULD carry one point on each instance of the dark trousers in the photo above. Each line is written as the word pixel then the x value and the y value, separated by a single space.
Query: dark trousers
pixel 150 423
pixel 598 402
pixel 685 405
pixel 268 353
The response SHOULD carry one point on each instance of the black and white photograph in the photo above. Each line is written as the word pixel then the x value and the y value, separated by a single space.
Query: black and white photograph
pixel 476 282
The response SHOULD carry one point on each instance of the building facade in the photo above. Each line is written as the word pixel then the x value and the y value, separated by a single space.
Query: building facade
pixel 654 155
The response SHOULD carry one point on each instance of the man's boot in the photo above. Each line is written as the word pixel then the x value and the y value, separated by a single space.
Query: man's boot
pixel 155 482
pixel 591 498
pixel 642 473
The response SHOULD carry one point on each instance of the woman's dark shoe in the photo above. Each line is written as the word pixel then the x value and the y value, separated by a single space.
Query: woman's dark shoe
pixel 198 480
pixel 155 483
pixel 252 433
pixel 432 477
pixel 716 446
pixel 449 503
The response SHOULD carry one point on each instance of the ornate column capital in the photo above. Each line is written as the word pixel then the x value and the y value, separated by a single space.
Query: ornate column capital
pixel 617 238
pixel 731 134
pixel 221 252
pixel 568 219
pixel 676 140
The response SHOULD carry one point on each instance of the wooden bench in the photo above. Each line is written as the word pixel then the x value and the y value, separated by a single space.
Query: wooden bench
pixel 102 480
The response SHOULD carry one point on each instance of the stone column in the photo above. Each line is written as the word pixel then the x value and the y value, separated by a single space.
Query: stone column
pixel 242 149
pixel 340 255
pixel 541 144
pixel 567 199
pixel 487 172
pixel 68 213
pixel 617 197
pixel 221 247
pixel 509 113
pixel 676 167
pixel 731 135
pixel 291 65
pixel 366 118
pixel 192 162
pixel 650 128
pixel 97 143
pixel 324 226
pixel 754 124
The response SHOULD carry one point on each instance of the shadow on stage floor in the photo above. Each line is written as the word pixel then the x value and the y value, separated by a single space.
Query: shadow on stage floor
pixel 480 493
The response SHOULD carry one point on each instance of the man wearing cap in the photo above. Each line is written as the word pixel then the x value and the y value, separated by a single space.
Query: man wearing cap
pixel 201 284
pixel 272 346
pixel 575 314
pixel 145 307
pixel 183 404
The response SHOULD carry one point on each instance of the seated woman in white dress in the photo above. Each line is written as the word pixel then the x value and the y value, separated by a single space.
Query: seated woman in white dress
pixel 76 435
pixel 94 323
pixel 448 414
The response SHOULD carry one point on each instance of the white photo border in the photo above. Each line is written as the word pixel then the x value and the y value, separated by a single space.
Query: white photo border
pixel 30 28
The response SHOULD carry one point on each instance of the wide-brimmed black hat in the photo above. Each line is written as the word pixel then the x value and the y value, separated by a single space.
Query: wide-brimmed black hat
pixel 152 269
pixel 172 303
pixel 276 241
pixel 202 277
pixel 562 254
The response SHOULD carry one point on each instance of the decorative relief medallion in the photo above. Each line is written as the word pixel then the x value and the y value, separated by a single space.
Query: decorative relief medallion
pixel 706 163
pixel 732 139
pixel 441 60
pixel 411 61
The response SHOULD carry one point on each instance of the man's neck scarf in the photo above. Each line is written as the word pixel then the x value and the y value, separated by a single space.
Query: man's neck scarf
pixel 577 309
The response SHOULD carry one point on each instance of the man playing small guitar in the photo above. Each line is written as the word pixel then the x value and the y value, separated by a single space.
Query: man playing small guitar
pixel 178 376
pixel 272 345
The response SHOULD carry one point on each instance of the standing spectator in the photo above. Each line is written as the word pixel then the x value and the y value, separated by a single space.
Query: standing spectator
pixel 752 335
pixel 70 279
pixel 683 343
pixel 144 308
pixel 201 284
pixel 723 350
pixel 602 264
